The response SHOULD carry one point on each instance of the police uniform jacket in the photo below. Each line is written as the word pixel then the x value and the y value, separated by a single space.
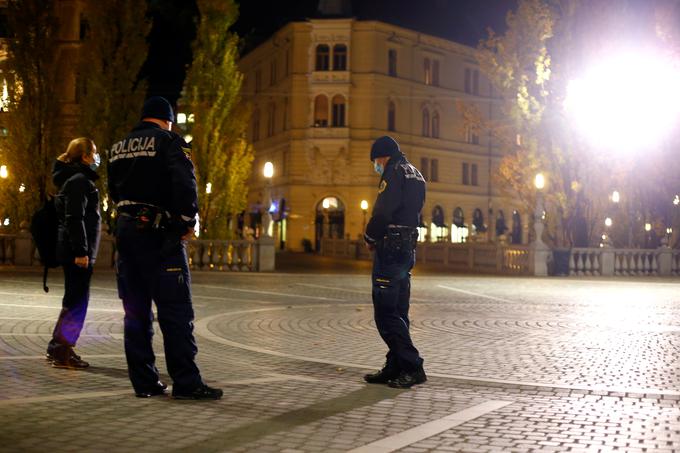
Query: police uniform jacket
pixel 153 166
pixel 401 196
pixel 77 206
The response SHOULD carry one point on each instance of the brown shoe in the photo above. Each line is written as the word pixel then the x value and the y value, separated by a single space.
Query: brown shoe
pixel 72 362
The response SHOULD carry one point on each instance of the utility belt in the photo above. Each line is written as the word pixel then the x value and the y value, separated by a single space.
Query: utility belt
pixel 401 237
pixel 147 216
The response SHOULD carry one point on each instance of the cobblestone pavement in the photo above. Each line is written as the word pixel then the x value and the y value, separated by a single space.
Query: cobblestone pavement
pixel 515 364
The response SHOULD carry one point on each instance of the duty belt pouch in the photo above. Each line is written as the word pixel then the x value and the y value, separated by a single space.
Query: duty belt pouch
pixel 394 241
pixel 149 219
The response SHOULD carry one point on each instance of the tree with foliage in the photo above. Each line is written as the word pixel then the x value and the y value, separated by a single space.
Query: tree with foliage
pixel 547 44
pixel 111 55
pixel 221 154
pixel 530 67
pixel 33 139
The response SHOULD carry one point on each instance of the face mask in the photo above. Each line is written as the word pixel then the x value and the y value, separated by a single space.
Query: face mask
pixel 379 169
pixel 97 160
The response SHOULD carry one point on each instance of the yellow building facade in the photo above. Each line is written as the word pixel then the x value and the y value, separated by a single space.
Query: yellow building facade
pixel 323 90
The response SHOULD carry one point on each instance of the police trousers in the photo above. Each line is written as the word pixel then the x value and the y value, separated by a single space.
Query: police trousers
pixel 152 268
pixel 391 292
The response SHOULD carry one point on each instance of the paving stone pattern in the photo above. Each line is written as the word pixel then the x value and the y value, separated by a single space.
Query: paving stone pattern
pixel 587 365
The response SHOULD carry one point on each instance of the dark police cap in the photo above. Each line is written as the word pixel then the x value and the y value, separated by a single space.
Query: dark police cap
pixel 384 146
pixel 158 107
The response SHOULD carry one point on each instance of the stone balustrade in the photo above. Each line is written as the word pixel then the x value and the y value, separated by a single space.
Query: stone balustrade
pixel 251 256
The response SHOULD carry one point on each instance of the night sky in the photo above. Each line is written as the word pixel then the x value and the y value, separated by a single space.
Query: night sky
pixel 173 30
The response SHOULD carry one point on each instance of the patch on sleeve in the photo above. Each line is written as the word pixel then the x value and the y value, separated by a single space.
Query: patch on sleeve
pixel 187 152
pixel 383 186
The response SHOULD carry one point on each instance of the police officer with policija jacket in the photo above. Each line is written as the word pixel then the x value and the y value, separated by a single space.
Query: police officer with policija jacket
pixel 392 235
pixel 151 179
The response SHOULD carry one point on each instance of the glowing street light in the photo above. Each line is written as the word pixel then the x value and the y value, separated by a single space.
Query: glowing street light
pixel 208 188
pixel 3 172
pixel 539 181
pixel 22 188
pixel 268 172
pixel 648 227
pixel 615 196
pixel 608 222
pixel 676 200
pixel 364 208
pixel 615 106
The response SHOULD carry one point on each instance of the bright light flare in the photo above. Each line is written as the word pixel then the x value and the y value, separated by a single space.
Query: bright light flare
pixel 626 102
pixel 616 197
pixel 608 222
pixel 364 205
pixel 539 181
pixel 268 170
pixel 3 172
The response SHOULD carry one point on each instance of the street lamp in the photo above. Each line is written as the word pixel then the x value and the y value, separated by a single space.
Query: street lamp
pixel 364 208
pixel 630 122
pixel 539 183
pixel 268 172
pixel 616 197
pixel 3 172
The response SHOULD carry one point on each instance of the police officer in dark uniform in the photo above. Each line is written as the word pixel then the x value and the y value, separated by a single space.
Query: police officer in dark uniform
pixel 151 179
pixel 392 235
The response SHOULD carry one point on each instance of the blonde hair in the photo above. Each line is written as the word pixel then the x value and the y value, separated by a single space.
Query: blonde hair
pixel 78 148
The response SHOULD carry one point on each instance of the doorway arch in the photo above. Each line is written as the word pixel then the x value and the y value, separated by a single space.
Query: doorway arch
pixel 329 220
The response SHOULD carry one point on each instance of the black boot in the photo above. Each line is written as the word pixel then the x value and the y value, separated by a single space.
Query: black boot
pixel 407 380
pixel 156 390
pixel 381 376
pixel 202 392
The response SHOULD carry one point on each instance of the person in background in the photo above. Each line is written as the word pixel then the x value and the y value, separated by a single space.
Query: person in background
pixel 77 205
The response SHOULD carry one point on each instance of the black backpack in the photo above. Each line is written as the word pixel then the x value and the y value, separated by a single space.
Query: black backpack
pixel 44 229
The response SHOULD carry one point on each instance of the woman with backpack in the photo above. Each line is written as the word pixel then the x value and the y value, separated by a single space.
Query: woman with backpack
pixel 77 206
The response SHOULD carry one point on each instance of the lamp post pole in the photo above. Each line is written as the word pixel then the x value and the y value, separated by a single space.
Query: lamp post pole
pixel 268 172
pixel 539 249
pixel 364 209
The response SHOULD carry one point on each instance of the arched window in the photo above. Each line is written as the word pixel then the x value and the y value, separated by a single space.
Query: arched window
pixel 256 125
pixel 516 228
pixel 439 229
pixel 321 111
pixel 322 57
pixel 426 123
pixel 285 114
pixel 501 228
pixel 459 231
pixel 478 221
pixel 435 124
pixel 339 57
pixel 391 116
pixel 271 122
pixel 427 70
pixel 338 118
pixel 435 73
